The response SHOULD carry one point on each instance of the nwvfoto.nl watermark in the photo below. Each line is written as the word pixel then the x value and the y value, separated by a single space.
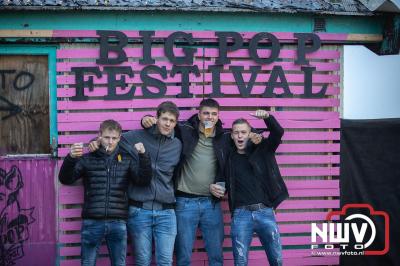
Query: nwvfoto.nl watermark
pixel 356 225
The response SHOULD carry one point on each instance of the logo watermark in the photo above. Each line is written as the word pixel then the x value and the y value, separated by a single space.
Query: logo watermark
pixel 358 227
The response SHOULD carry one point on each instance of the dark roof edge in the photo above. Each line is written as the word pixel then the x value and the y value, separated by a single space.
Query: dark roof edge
pixel 183 9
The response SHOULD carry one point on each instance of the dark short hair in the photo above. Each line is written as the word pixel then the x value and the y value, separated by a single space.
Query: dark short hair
pixel 110 125
pixel 209 103
pixel 169 107
pixel 241 121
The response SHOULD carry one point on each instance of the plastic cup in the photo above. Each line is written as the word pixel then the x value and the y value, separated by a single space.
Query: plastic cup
pixel 222 185
pixel 208 128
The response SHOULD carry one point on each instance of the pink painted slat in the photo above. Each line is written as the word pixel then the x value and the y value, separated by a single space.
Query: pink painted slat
pixel 281 217
pixel 310 147
pixel 331 135
pixel 289 148
pixel 208 52
pixel 283 228
pixel 75 251
pixel 320 66
pixel 195 89
pixel 196 34
pixel 309 204
pixel 66 66
pixel 289 66
pixel 290 123
pixel 313 184
pixel 308 159
pixel 288 204
pixel 315 171
pixel 225 77
pixel 329 260
pixel 130 52
pixel 183 115
pixel 256 257
pixel 286 240
pixel 70 79
pixel 331 192
pixel 284 53
pixel 291 184
pixel 194 102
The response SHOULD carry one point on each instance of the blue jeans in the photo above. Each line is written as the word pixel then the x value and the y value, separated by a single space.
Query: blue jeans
pixel 244 223
pixel 93 232
pixel 199 212
pixel 143 226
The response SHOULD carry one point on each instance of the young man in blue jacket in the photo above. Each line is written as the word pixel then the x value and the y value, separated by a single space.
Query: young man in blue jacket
pixel 255 187
pixel 106 173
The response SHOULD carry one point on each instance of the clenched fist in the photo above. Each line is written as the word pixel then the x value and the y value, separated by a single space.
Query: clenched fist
pixel 140 148
pixel 260 114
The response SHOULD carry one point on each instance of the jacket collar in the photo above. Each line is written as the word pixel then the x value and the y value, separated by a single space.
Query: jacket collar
pixel 101 152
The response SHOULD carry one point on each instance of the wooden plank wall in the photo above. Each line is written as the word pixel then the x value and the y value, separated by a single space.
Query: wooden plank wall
pixel 308 157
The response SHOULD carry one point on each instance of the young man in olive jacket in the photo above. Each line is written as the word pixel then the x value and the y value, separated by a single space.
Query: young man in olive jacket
pixel 255 187
pixel 106 173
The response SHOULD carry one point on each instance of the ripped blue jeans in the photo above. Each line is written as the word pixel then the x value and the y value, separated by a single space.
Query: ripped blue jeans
pixel 244 224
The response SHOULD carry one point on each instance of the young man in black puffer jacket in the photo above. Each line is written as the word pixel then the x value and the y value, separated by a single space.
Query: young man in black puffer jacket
pixel 106 174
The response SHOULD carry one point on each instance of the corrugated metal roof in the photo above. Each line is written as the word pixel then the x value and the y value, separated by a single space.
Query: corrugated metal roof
pixel 343 7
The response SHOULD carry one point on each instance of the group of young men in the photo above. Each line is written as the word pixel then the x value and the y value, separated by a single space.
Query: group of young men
pixel 163 182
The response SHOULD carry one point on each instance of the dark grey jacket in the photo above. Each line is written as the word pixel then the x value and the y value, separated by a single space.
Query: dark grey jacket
pixel 164 153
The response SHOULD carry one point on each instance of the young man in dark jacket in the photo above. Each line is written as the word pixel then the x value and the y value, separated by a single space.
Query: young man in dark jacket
pixel 202 163
pixel 106 173
pixel 255 187
pixel 151 208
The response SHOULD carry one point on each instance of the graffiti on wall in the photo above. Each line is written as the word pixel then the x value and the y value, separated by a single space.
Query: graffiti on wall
pixel 5 104
pixel 14 221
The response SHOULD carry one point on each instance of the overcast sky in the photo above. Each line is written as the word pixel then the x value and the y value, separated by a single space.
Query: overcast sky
pixel 371 84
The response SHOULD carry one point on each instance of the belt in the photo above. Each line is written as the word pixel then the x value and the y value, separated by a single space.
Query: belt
pixel 253 207
pixel 182 194
pixel 139 204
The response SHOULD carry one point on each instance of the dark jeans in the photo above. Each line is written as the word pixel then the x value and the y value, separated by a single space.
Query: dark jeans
pixel 199 212
pixel 93 232
pixel 144 225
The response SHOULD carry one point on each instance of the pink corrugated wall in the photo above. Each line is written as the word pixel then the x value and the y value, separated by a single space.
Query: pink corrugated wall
pixel 28 211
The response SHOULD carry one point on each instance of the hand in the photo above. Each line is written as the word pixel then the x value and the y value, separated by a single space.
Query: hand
pixel 95 145
pixel 217 190
pixel 255 138
pixel 76 150
pixel 140 148
pixel 148 121
pixel 260 114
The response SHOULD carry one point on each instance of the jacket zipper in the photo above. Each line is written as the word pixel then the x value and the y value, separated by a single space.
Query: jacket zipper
pixel 107 190
pixel 155 166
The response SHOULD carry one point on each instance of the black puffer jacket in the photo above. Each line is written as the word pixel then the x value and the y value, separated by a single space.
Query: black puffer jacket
pixel 105 180
pixel 265 167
